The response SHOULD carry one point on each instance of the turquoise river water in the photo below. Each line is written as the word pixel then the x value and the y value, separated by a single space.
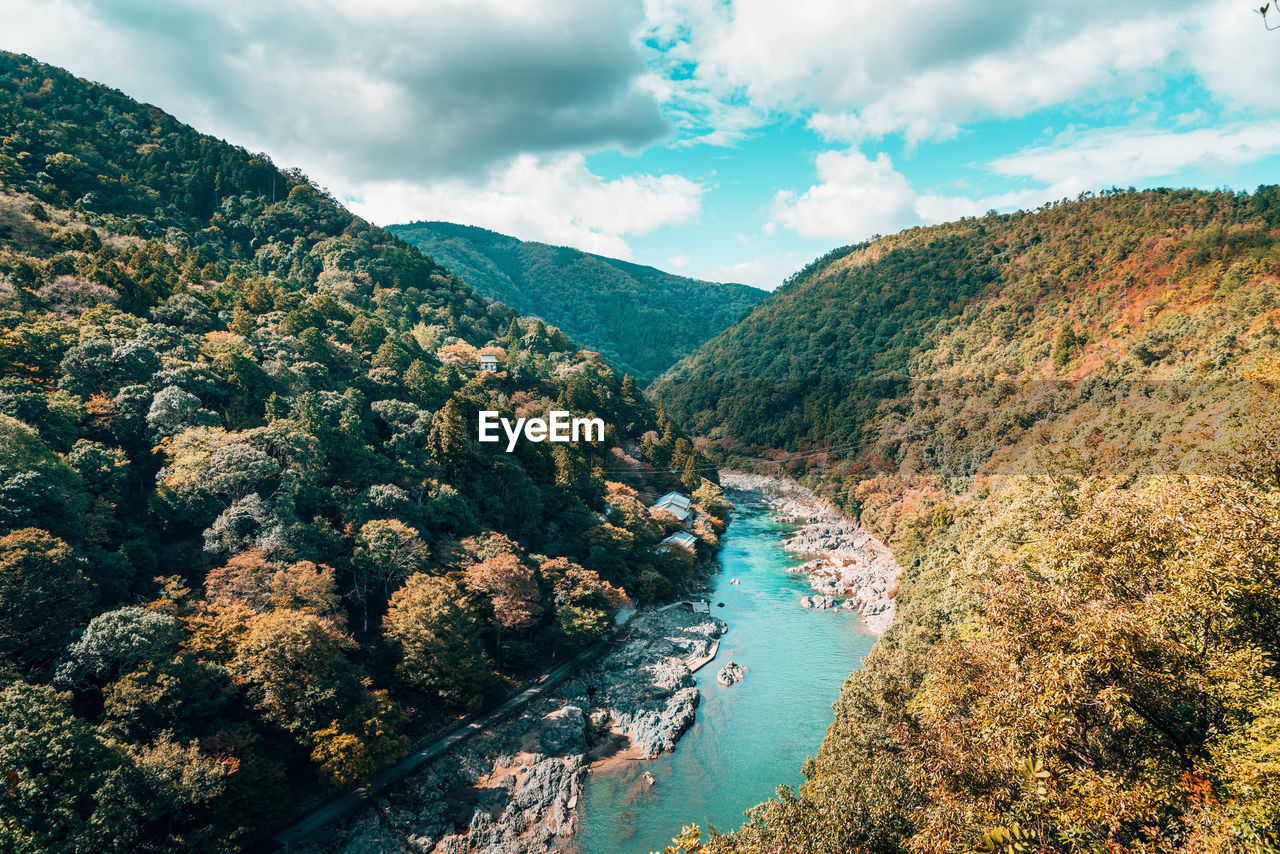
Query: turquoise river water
pixel 752 736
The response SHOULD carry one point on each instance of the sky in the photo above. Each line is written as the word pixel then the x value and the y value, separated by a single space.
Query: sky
pixel 730 140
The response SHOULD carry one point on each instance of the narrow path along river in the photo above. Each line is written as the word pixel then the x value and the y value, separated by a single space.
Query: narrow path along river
pixel 749 737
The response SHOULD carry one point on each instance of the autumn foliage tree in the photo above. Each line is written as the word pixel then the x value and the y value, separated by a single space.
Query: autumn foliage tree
pixel 1097 673
pixel 44 596
pixel 438 632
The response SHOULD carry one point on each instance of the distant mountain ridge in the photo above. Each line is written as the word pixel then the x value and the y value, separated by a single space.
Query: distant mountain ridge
pixel 641 319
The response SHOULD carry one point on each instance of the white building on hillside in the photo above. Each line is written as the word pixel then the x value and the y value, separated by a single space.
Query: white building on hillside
pixel 674 503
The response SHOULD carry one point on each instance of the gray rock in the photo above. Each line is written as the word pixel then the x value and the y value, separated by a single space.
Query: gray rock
pixel 564 731
pixel 513 788
pixel 731 674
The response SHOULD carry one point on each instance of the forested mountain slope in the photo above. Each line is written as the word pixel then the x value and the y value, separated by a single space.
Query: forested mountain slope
pixel 1064 423
pixel 640 319
pixel 1075 666
pixel 248 542
pixel 937 347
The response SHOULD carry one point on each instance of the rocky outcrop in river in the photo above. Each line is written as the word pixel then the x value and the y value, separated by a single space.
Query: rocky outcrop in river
pixel 850 562
pixel 513 787
pixel 731 673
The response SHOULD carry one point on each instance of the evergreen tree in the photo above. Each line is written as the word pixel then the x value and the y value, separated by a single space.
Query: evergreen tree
pixel 691 477
pixel 513 339
pixel 449 441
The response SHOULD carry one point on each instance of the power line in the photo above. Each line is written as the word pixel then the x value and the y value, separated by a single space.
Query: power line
pixel 798 455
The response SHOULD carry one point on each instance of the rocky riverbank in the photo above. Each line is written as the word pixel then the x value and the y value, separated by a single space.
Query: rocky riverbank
pixel 514 787
pixel 849 562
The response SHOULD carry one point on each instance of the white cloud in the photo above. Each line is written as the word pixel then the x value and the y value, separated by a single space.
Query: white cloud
pixel 407 91
pixel 920 67
pixel 1236 57
pixel 1126 156
pixel 555 200
pixel 856 197
pixel 479 111
pixel 766 273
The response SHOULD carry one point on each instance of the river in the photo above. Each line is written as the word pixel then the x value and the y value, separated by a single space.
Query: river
pixel 752 736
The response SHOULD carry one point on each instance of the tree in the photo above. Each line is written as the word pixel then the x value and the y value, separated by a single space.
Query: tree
pixel 437 631
pixel 306 586
pixel 688 842
pixel 691 477
pixel 572 474
pixel 246 578
pixel 173 410
pixel 514 338
pixel 88 367
pixel 44 595
pixel 1114 653
pixel 183 793
pixel 116 642
pixel 208 468
pixel 511 586
pixel 182 695
pixel 574 585
pixel 294 671
pixel 184 310
pixel 576 627
pixel 347 753
pixel 37 487
pixel 103 470
pixel 449 442
pixel 387 552
pixel 1066 346
pixel 65 782
pixel 246 522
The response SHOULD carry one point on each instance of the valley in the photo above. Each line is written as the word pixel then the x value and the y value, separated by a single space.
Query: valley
pixel 612 754
pixel 752 736
pixel 966 538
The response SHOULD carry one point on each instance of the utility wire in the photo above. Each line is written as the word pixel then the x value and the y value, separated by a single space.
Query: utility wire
pixel 797 455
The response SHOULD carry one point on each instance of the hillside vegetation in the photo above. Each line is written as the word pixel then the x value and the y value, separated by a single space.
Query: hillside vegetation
pixel 939 348
pixel 248 543
pixel 1064 423
pixel 640 319
pixel 1075 667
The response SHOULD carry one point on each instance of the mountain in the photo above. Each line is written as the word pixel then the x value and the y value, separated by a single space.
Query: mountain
pixel 250 545
pixel 1064 424
pixel 952 347
pixel 640 319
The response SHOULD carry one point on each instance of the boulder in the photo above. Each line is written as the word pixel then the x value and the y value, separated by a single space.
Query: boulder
pixel 731 674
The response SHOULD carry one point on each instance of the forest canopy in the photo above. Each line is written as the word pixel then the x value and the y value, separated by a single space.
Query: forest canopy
pixel 242 507
pixel 640 319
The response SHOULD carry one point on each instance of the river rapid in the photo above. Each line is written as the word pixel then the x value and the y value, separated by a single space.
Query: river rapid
pixel 748 737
